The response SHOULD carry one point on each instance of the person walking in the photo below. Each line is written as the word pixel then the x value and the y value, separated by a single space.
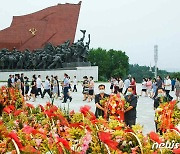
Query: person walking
pixel 39 85
pixel 173 82
pixel 13 81
pixel 55 87
pixel 112 84
pixel 177 89
pixel 85 88
pixel 22 83
pixel 33 88
pixel 149 87
pixel 121 85
pixel 154 88
pixel 66 88
pixel 51 82
pixel 144 87
pixel 159 84
pixel 18 82
pixel 26 83
pixel 9 83
pixel 133 85
pixel 167 87
pixel 75 84
pixel 47 87
pixel 116 85
pixel 130 112
pixel 127 83
pixel 58 86
pixel 91 89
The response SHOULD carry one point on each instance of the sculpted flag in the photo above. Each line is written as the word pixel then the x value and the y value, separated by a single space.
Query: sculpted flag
pixel 55 24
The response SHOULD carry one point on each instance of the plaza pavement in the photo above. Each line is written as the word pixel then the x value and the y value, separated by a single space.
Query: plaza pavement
pixel 145 112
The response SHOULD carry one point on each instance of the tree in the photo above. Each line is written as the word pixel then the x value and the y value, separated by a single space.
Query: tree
pixel 111 63
pixel 140 72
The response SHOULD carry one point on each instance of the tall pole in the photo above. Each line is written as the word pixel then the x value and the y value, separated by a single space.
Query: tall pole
pixel 155 59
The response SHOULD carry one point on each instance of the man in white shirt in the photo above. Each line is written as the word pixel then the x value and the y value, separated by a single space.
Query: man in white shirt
pixel 126 84
pixel 121 85
pixel 66 89
pixel 39 85
pixel 167 87
pixel 47 86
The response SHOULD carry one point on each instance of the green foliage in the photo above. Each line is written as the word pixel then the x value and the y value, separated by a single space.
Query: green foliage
pixel 116 63
pixel 175 75
pixel 140 72
pixel 111 63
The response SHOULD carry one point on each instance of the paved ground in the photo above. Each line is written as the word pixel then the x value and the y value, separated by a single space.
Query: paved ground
pixel 145 112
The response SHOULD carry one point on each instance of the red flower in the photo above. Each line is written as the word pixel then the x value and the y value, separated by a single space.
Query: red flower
pixel 49 113
pixel 128 130
pixel 11 107
pixel 63 120
pixel 14 136
pixel 176 151
pixel 30 149
pixel 88 128
pixel 17 112
pixel 42 108
pixel 53 109
pixel 7 110
pixel 64 142
pixel 93 117
pixel 155 137
pixel 29 105
pixel 72 112
pixel 79 125
pixel 85 109
pixel 106 138
pixel 48 104
pixel 1 122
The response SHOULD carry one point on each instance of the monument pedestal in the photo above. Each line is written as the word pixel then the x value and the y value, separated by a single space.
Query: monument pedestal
pixel 71 71
pixel 76 64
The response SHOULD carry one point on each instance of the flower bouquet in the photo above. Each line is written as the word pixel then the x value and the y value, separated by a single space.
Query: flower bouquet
pixel 49 129
pixel 116 106
pixel 167 115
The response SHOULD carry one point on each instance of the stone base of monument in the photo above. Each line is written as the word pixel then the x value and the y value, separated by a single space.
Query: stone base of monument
pixel 71 71
pixel 76 64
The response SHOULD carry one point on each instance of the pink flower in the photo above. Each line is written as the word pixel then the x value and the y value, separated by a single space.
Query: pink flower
pixel 38 142
pixel 86 140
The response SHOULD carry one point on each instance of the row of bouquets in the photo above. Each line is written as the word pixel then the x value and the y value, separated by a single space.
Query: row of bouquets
pixel 48 129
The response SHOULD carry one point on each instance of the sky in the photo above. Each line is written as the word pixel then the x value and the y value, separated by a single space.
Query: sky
pixel 132 26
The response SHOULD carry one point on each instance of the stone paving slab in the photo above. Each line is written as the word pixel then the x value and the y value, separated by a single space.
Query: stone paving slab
pixel 145 111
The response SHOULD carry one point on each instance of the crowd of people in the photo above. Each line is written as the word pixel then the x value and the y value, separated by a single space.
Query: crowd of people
pixel 52 86
pixel 149 86
pixel 153 88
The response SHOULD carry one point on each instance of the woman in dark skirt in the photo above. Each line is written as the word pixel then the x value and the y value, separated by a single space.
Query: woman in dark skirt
pixel 34 89
pixel 27 88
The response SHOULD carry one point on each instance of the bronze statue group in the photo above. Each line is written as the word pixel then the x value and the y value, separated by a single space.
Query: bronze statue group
pixel 49 57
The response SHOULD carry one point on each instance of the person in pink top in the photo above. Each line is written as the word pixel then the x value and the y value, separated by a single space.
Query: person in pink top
pixel 149 86
pixel 133 85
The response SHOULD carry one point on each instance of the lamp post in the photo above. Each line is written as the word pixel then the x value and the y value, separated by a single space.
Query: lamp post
pixel 155 59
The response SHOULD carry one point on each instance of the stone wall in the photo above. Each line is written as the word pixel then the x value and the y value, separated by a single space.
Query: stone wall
pixel 78 71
